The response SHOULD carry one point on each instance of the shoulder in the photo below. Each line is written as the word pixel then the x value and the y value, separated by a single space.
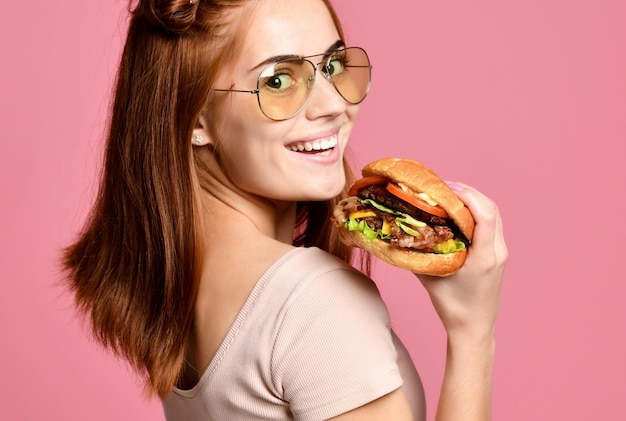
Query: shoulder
pixel 323 281
pixel 333 348
pixel 330 308
pixel 314 267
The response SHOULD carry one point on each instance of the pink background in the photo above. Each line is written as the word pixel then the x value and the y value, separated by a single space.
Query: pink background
pixel 524 99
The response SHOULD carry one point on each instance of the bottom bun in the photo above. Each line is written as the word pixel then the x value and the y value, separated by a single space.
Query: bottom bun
pixel 417 262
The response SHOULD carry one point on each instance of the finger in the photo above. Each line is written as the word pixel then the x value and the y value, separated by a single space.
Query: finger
pixel 490 210
pixel 485 214
pixel 488 243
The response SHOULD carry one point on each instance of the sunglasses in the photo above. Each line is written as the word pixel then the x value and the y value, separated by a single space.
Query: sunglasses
pixel 284 87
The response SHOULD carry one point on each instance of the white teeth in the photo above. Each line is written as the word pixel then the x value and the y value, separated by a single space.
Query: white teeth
pixel 315 146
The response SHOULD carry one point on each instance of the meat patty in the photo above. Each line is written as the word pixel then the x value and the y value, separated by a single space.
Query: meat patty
pixel 379 193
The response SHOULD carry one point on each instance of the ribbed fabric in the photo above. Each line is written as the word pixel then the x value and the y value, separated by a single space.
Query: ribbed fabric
pixel 311 342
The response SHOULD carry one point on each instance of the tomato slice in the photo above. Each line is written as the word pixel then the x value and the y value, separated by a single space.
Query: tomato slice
pixel 366 181
pixel 416 201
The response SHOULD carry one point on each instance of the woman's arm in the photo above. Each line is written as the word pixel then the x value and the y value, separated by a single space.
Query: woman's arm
pixel 467 304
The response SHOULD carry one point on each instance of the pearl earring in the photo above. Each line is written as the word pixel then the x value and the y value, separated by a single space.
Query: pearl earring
pixel 199 138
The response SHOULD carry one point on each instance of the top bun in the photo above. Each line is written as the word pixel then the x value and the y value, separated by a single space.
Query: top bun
pixel 421 179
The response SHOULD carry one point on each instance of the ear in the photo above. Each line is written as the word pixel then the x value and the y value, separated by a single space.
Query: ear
pixel 200 135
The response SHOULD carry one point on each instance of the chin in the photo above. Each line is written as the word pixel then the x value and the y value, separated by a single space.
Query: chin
pixel 328 191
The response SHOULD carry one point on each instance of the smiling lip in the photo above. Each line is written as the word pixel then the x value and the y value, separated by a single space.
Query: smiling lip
pixel 317 143
pixel 314 146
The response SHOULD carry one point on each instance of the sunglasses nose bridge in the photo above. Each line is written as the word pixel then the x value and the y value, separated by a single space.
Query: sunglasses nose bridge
pixel 322 67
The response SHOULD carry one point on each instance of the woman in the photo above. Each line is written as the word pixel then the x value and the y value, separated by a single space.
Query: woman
pixel 209 262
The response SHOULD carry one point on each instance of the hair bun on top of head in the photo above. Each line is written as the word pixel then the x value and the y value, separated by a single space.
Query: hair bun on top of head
pixel 173 16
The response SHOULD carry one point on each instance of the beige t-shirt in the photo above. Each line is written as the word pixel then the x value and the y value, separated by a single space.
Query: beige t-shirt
pixel 311 342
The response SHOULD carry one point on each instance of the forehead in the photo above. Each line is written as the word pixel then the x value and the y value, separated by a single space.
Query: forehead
pixel 278 27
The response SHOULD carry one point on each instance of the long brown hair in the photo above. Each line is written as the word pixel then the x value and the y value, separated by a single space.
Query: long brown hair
pixel 134 270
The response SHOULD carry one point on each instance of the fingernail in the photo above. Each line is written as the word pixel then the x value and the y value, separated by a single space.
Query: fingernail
pixel 454 186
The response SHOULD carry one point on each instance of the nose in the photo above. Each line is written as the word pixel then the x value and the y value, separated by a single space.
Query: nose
pixel 325 100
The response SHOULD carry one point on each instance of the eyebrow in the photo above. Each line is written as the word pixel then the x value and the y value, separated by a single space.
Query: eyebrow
pixel 337 45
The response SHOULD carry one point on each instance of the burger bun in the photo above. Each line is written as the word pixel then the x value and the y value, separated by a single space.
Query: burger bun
pixel 419 178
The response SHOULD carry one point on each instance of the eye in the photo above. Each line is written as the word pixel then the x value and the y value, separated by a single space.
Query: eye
pixel 278 81
pixel 337 65
pixel 281 77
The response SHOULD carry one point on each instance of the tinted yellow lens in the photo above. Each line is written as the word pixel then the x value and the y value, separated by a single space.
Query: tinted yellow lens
pixel 350 71
pixel 285 87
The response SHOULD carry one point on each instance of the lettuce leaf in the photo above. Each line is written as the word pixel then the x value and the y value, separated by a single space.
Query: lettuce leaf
pixel 450 246
pixel 406 222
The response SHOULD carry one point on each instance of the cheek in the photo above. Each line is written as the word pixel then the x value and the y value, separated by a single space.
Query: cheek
pixel 250 151
pixel 238 109
pixel 240 125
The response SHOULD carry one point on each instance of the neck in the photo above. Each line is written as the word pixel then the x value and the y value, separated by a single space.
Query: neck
pixel 229 209
pixel 242 215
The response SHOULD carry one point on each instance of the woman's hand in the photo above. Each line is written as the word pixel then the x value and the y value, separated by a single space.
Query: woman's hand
pixel 467 304
pixel 467 301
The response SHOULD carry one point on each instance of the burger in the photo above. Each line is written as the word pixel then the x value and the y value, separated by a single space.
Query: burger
pixel 403 213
